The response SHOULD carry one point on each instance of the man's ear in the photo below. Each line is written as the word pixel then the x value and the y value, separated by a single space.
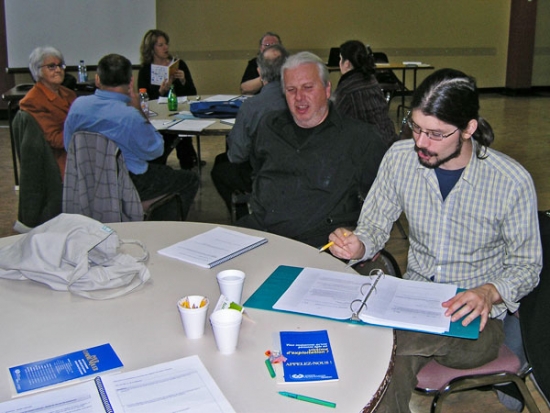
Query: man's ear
pixel 97 81
pixel 470 129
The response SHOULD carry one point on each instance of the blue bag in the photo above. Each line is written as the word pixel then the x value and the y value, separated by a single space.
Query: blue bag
pixel 216 109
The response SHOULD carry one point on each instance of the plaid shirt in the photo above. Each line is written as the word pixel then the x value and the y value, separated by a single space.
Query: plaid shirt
pixel 486 230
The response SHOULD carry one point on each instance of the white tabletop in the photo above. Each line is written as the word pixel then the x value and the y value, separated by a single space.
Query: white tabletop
pixel 144 327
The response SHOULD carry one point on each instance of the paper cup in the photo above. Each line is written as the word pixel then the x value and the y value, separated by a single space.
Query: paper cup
pixel 193 309
pixel 231 284
pixel 226 325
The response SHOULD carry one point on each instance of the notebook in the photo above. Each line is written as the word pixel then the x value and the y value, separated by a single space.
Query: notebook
pixel 213 247
pixel 330 285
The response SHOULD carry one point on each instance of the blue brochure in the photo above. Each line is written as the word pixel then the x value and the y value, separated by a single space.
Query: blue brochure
pixel 308 356
pixel 49 372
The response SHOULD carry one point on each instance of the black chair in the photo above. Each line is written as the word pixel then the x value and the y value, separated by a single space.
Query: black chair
pixel 388 81
pixel 41 184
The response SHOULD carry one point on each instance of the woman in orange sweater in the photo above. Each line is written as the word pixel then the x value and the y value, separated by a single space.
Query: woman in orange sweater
pixel 48 101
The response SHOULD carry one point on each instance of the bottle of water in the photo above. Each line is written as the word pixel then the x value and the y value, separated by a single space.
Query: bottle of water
pixel 144 101
pixel 82 72
pixel 172 99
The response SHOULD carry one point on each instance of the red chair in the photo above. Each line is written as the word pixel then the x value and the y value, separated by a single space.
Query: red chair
pixel 441 381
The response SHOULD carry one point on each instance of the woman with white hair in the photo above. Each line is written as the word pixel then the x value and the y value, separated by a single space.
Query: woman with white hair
pixel 48 101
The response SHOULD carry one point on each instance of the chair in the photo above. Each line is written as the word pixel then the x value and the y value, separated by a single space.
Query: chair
pixel 441 381
pixel 238 198
pixel 41 185
pixel 97 184
pixel 534 310
pixel 389 83
pixel 383 261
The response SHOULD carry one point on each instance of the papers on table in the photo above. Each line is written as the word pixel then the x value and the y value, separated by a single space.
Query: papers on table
pixel 179 385
pixel 164 99
pixel 228 121
pixel 213 247
pixel 220 98
pixel 187 125
pixel 388 301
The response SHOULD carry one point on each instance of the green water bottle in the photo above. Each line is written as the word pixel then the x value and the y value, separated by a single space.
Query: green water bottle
pixel 172 99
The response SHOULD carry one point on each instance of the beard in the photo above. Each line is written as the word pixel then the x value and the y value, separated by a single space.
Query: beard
pixel 439 162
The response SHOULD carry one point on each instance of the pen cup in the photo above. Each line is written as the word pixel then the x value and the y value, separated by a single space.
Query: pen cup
pixel 226 325
pixel 193 309
pixel 231 284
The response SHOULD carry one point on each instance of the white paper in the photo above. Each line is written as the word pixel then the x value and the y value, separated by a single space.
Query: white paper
pixel 394 302
pixel 81 398
pixel 164 99
pixel 212 247
pixel 218 98
pixel 158 74
pixel 162 124
pixel 182 385
pixel 191 125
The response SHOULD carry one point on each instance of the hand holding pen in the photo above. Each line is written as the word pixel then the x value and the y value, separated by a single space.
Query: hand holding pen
pixel 346 245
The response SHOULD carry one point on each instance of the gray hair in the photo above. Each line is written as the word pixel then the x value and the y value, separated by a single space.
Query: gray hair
pixel 270 68
pixel 303 58
pixel 38 56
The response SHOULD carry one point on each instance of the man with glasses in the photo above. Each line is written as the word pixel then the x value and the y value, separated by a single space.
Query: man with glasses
pixel 251 82
pixel 472 214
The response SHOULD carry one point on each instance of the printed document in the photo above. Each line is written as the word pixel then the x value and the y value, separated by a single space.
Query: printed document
pixel 393 302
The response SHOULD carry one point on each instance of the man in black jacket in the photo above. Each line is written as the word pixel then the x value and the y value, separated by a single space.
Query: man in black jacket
pixel 310 165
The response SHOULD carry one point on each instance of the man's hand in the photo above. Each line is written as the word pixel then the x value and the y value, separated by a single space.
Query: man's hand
pixel 346 245
pixel 474 302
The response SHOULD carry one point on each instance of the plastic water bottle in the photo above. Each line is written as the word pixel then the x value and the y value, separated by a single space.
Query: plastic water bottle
pixel 144 101
pixel 172 99
pixel 82 72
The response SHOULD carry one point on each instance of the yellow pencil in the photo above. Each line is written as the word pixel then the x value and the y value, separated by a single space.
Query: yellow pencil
pixel 326 247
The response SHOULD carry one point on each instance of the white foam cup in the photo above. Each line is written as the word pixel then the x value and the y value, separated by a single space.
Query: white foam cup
pixel 226 325
pixel 231 284
pixel 193 309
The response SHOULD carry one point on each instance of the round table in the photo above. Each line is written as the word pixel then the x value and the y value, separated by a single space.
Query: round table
pixel 144 327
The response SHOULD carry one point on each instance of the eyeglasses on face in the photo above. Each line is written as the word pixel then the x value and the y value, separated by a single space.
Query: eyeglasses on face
pixel 53 66
pixel 433 135
pixel 268 44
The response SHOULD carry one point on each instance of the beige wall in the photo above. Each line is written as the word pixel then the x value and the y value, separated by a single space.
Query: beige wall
pixel 541 63
pixel 216 37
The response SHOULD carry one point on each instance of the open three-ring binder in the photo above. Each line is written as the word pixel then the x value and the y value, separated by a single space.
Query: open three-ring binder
pixel 379 299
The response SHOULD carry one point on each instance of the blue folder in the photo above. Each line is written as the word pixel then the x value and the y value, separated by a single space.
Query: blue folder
pixel 278 282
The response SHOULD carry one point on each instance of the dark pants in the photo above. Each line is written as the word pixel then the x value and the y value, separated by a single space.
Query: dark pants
pixel 415 350
pixel 230 177
pixel 187 156
pixel 161 179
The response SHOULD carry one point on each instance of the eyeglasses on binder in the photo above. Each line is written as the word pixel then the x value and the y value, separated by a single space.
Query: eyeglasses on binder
pixel 356 306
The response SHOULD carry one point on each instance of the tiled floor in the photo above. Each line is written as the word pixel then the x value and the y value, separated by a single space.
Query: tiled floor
pixel 521 126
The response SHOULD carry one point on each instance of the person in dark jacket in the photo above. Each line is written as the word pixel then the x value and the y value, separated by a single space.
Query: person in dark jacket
pixel 358 94
pixel 155 51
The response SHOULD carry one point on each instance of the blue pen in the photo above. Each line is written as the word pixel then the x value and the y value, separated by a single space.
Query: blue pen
pixel 307 399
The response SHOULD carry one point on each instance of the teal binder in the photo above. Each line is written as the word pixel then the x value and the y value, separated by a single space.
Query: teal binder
pixel 278 282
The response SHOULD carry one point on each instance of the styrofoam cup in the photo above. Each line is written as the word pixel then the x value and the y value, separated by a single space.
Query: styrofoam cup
pixel 231 284
pixel 226 325
pixel 194 317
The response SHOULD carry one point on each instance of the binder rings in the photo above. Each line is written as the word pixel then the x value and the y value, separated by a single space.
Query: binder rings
pixel 275 286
